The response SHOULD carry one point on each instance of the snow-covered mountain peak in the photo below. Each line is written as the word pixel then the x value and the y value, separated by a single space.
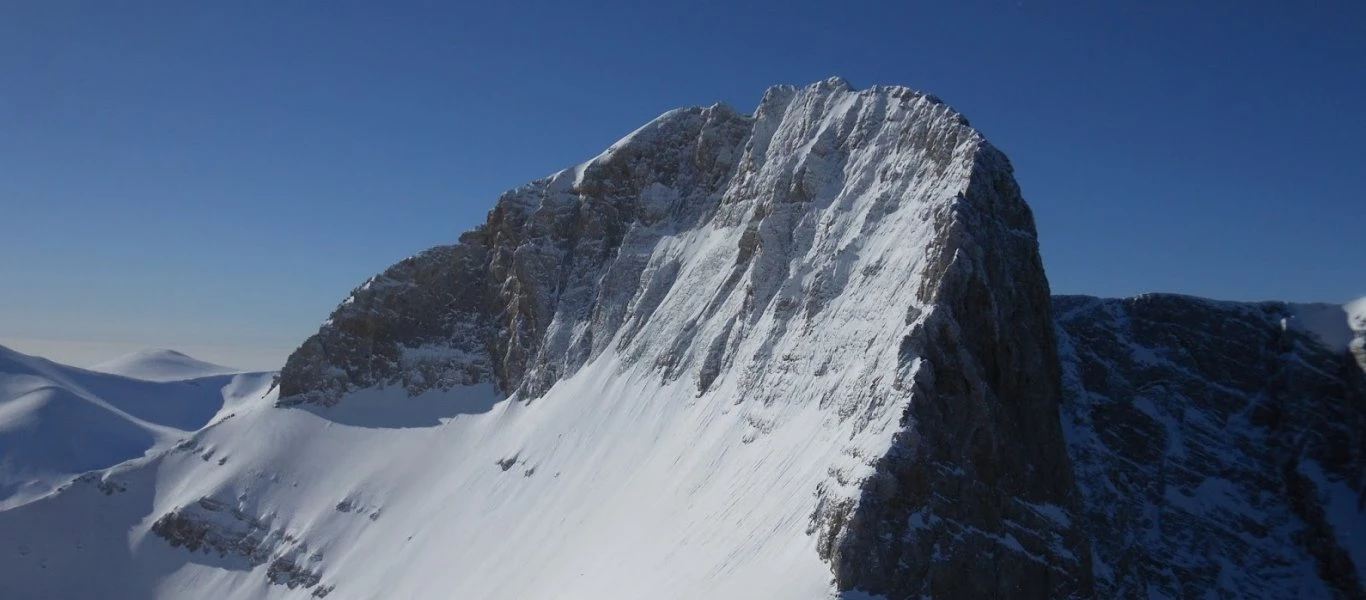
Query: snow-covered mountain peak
pixel 775 287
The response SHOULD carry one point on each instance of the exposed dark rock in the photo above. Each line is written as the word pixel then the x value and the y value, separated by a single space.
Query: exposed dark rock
pixel 1208 439
pixel 212 527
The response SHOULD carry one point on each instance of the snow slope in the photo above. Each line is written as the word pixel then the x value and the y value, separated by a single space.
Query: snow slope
pixel 516 501
pixel 58 421
pixel 161 365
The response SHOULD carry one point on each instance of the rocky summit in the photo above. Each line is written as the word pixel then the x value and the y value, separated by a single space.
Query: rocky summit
pixel 804 353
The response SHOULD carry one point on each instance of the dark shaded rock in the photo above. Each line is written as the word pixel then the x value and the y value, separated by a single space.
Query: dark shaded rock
pixel 1209 440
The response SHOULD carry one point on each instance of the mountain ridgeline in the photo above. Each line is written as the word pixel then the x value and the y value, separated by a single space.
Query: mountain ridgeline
pixel 807 353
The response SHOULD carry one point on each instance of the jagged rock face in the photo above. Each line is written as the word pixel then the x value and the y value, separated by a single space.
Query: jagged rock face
pixel 865 255
pixel 530 295
pixel 423 323
pixel 1221 450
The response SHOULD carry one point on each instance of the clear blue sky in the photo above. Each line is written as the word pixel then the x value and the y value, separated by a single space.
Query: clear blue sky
pixel 223 173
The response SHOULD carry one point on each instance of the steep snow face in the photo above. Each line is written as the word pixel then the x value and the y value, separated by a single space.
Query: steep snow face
pixel 161 365
pixel 57 421
pixel 1220 447
pixel 802 353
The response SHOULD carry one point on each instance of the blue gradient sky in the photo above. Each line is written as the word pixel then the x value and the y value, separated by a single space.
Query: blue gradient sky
pixel 220 174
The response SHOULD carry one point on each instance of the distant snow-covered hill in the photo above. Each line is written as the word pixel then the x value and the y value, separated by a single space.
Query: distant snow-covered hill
pixel 58 421
pixel 161 365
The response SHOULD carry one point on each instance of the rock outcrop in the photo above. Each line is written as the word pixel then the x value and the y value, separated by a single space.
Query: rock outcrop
pixel 213 527
pixel 1220 448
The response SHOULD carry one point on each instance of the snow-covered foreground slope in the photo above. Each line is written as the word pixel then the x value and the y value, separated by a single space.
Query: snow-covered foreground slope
pixel 58 421
pixel 789 355
pixel 605 488
pixel 161 365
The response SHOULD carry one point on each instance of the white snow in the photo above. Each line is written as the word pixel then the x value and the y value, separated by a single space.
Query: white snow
pixel 617 488
pixel 161 365
pixel 1356 314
